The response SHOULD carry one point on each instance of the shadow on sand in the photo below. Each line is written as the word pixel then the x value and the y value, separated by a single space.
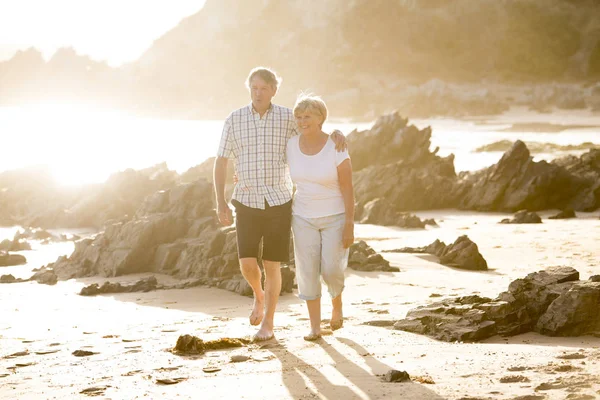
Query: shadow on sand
pixel 304 380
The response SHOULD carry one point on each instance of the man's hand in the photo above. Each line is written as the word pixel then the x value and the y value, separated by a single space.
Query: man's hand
pixel 348 234
pixel 224 214
pixel 340 140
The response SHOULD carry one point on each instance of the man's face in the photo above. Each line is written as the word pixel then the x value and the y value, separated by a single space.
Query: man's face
pixel 261 92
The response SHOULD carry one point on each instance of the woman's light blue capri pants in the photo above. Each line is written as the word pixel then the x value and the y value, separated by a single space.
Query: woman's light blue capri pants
pixel 319 252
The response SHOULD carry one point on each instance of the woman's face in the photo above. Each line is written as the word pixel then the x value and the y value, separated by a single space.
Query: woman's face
pixel 308 122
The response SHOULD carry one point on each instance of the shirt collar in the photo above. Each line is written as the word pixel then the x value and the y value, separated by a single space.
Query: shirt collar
pixel 273 108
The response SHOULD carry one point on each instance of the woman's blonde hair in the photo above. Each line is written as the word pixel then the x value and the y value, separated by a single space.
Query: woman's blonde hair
pixel 311 103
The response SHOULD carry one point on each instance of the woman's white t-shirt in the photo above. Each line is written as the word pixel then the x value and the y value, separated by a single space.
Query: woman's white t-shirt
pixel 318 191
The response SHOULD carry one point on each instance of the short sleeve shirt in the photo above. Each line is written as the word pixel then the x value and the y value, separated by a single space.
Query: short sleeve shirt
pixel 258 146
pixel 318 192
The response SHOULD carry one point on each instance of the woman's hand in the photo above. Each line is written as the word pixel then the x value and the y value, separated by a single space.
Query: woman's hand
pixel 348 234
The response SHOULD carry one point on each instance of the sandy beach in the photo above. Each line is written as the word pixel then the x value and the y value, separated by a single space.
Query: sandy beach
pixel 131 333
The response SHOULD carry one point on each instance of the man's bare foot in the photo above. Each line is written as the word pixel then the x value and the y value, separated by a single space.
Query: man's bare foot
pixel 264 333
pixel 258 310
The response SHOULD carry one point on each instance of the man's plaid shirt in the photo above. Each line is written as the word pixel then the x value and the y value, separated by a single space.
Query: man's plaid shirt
pixel 258 146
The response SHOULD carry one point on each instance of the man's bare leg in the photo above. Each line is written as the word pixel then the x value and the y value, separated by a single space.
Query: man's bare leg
pixel 271 295
pixel 251 272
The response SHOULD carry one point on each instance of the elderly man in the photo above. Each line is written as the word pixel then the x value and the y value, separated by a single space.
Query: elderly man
pixel 256 137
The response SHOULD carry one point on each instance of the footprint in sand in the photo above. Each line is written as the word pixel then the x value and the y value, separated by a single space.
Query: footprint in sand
pixel 18 354
pixel 21 365
pixel 514 379
pixel 169 381
pixel 83 353
pixel 572 356
pixel 163 369
pixel 94 391
pixel 44 352
pixel 131 373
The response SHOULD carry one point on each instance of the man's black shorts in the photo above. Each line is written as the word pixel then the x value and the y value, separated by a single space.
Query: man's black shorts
pixel 273 225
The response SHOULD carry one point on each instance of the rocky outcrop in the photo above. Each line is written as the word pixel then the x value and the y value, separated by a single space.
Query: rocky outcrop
pixel 393 162
pixel 587 170
pixel 564 214
pixel 552 302
pixel 143 285
pixel 8 260
pixel 523 217
pixel 537 147
pixel 173 232
pixel 45 277
pixel 363 258
pixel 10 279
pixel 516 182
pixel 14 245
pixel 463 253
pixel 27 202
pixel 380 212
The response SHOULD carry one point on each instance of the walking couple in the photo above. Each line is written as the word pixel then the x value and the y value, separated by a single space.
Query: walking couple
pixel 265 139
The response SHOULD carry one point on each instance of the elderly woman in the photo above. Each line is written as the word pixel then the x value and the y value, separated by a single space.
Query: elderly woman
pixel 322 211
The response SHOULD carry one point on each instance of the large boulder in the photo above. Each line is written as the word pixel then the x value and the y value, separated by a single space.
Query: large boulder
pixel 363 257
pixel 381 212
pixel 130 247
pixel 587 169
pixel 551 302
pixel 9 260
pixel 523 217
pixel 516 182
pixel 463 253
pixel 172 232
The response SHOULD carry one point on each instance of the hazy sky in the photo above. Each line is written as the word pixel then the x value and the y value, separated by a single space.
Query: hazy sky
pixel 114 30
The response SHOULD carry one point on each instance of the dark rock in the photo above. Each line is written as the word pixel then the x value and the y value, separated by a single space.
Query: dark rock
pixel 8 260
pixel 397 376
pixel 573 313
pixel 142 285
pixel 564 214
pixel 595 278
pixel 173 232
pixel 8 279
pixel 363 258
pixel 552 302
pixel 463 253
pixel 392 161
pixel 523 217
pixel 14 245
pixel 516 182
pixel 380 212
pixel 46 277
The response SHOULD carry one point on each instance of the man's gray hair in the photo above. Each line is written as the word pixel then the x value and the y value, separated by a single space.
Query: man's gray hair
pixel 267 74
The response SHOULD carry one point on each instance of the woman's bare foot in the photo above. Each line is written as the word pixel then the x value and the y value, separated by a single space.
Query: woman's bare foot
pixel 258 310
pixel 337 315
